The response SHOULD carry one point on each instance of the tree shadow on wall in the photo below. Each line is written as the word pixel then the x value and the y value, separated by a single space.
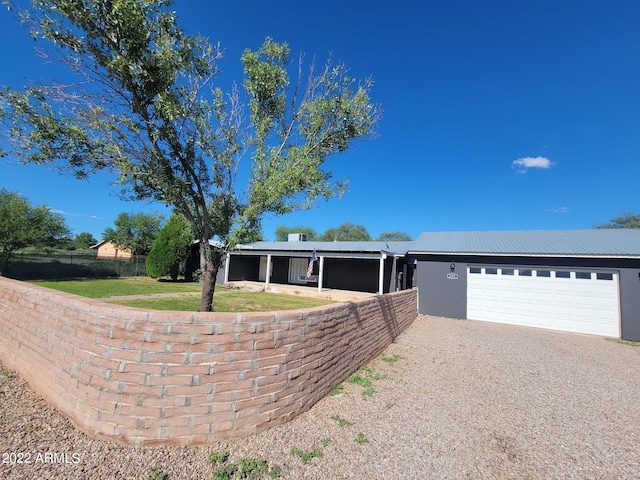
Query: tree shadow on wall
pixel 387 307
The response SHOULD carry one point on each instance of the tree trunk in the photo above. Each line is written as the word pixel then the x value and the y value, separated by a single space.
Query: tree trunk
pixel 209 265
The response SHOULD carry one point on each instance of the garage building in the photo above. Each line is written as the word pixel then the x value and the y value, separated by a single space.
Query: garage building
pixel 585 281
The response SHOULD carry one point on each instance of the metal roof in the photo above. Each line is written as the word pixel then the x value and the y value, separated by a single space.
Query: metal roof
pixel 618 242
pixel 359 247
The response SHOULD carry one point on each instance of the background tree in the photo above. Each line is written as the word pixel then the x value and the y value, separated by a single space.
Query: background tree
pixel 145 109
pixel 282 233
pixel 170 249
pixel 396 236
pixel 84 240
pixel 22 225
pixel 135 232
pixel 626 220
pixel 346 232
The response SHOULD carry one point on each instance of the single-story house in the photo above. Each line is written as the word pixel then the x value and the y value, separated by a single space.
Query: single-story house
pixel 377 267
pixel 585 281
pixel 107 250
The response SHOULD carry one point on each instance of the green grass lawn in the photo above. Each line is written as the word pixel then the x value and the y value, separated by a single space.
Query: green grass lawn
pixel 224 300
pixel 118 286
pixel 233 301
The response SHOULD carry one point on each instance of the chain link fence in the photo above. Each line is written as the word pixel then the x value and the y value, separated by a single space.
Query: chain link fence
pixel 29 265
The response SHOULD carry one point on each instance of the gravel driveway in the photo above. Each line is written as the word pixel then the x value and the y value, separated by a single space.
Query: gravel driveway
pixel 452 399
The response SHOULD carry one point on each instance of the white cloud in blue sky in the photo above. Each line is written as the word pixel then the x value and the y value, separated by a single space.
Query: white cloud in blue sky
pixel 524 164
pixel 560 210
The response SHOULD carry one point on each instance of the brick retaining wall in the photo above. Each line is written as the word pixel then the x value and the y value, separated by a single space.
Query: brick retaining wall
pixel 154 377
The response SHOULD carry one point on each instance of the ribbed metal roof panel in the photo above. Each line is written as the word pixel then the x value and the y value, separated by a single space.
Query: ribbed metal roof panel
pixel 369 247
pixel 592 242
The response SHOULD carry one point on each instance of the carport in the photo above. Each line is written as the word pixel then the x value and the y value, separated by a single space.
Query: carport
pixel 375 267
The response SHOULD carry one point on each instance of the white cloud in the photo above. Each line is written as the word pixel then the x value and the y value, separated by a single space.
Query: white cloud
pixel 69 214
pixel 560 210
pixel 523 164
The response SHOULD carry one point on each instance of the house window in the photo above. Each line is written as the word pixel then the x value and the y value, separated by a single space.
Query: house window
pixel 543 273
pixel 604 276
pixel 475 270
pixel 583 275
pixel 507 271
pixel 563 274
pixel 524 273
pixel 491 271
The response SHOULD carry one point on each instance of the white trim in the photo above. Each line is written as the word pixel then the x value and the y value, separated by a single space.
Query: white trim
pixel 383 257
pixel 320 272
pixel 226 268
pixel 268 274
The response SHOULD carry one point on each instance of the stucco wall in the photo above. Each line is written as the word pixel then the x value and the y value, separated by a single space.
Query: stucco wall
pixel 150 377
pixel 109 250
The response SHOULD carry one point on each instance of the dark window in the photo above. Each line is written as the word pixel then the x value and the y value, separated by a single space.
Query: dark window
pixel 491 271
pixel 543 273
pixel 563 274
pixel 583 275
pixel 524 273
pixel 604 276
pixel 475 270
pixel 507 271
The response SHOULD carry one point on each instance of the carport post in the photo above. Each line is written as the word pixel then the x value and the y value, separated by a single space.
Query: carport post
pixel 268 274
pixel 320 273
pixel 226 268
pixel 393 287
pixel 381 277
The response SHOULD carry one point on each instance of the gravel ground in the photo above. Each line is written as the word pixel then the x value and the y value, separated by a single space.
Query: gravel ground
pixel 454 399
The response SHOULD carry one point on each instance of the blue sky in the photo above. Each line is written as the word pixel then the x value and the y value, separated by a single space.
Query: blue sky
pixel 498 115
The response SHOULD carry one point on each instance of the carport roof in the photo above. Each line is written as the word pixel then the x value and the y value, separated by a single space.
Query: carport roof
pixel 593 242
pixel 359 247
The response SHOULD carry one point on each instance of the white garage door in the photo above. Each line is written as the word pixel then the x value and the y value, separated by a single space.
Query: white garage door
pixel 568 300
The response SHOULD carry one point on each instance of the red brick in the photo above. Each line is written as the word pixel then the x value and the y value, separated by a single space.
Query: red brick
pixel 187 370
pixel 164 401
pixel 233 386
pixel 188 390
pixel 200 347
pixel 171 380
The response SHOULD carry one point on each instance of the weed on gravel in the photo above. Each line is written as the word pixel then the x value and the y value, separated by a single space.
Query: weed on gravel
pixel 341 421
pixel 157 474
pixel 364 377
pixel 391 360
pixel 306 457
pixel 245 468
pixel 338 390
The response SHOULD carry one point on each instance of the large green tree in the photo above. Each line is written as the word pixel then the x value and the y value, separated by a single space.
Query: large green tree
pixel 626 220
pixel 134 231
pixel 145 107
pixel 23 225
pixel 395 236
pixel 346 232
pixel 170 249
pixel 282 232
pixel 84 240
